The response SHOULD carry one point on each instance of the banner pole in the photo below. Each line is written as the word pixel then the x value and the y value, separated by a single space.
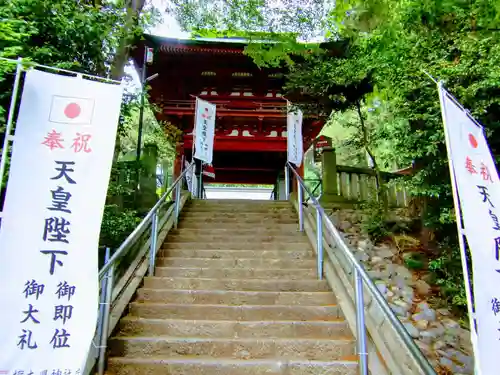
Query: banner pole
pixel 194 128
pixel 461 234
pixel 10 118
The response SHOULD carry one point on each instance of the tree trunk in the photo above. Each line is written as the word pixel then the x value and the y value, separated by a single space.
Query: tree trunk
pixel 366 144
pixel 134 9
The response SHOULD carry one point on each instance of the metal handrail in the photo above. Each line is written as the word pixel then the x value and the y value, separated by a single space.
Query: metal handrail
pixel 106 274
pixel 360 275
pixel 143 224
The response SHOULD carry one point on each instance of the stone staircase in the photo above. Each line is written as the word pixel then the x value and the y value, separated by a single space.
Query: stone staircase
pixel 235 292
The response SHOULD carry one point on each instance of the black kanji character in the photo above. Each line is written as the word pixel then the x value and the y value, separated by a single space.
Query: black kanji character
pixel 19 372
pixel 497 248
pixel 56 229
pixel 67 372
pixel 65 290
pixel 60 200
pixel 30 373
pixel 63 312
pixel 25 340
pixel 53 258
pixel 29 315
pixel 32 288
pixel 43 372
pixel 60 339
pixel 63 171
pixel 56 372
pixel 495 306
pixel 494 217
pixel 483 190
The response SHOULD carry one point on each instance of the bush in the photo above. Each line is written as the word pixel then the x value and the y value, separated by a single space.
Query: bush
pixel 374 224
pixel 449 277
pixel 117 225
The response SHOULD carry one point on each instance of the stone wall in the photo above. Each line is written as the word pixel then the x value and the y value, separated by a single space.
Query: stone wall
pixel 437 333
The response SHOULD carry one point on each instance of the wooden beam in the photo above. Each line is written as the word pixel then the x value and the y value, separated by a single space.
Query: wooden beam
pixel 248 144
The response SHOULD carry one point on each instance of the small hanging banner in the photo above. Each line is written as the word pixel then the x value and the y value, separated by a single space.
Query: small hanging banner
pixel 191 179
pixel 478 188
pixel 209 171
pixel 204 131
pixel 294 136
pixel 61 161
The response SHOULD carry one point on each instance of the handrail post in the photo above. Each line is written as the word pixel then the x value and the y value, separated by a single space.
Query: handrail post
pixel 300 195
pixel 102 297
pixel 287 183
pixel 152 247
pixel 105 319
pixel 360 325
pixel 177 204
pixel 319 242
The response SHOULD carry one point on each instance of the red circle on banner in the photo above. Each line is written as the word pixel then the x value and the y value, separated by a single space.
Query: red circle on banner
pixel 472 141
pixel 72 110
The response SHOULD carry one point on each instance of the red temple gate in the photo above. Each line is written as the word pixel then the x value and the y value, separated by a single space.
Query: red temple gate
pixel 250 131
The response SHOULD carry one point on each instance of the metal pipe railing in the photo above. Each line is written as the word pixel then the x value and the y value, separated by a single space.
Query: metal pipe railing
pixel 361 277
pixel 106 274
pixel 143 224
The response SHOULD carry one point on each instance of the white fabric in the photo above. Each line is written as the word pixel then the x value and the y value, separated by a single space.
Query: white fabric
pixel 39 216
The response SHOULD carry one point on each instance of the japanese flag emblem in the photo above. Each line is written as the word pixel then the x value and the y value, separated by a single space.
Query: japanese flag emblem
pixel 71 110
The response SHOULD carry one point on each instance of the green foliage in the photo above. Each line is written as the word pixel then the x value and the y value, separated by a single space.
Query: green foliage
pixel 374 223
pixel 161 134
pixel 414 261
pixel 116 225
pixel 447 269
pixel 90 37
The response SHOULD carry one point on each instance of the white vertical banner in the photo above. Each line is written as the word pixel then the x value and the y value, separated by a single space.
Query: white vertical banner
pixel 295 146
pixel 191 180
pixel 204 130
pixel 477 185
pixel 62 155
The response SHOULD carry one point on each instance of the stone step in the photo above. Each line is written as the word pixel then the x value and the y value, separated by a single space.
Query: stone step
pixel 218 366
pixel 235 263
pixel 238 203
pixel 242 205
pixel 130 326
pixel 235 210
pixel 249 231
pixel 224 297
pixel 254 285
pixel 237 348
pixel 232 244
pixel 219 254
pixel 241 217
pixel 151 310
pixel 242 202
pixel 249 238
pixel 237 273
pixel 191 224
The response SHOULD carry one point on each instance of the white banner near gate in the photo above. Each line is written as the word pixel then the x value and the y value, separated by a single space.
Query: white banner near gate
pixel 478 188
pixel 204 131
pixel 62 154
pixel 295 146
pixel 191 180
